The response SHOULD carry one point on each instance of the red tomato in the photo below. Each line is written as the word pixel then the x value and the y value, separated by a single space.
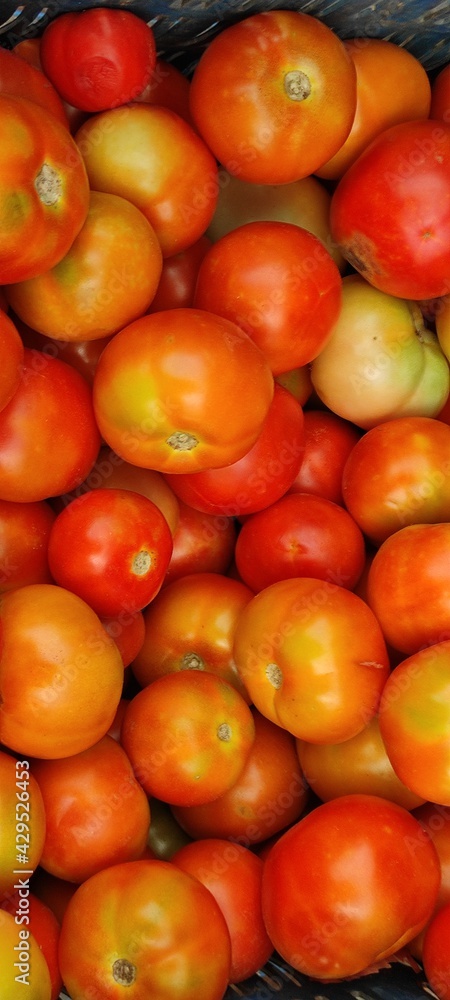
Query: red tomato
pixel 202 543
pixel 111 547
pixel 159 933
pixel 233 874
pixel 190 626
pixel 269 794
pixel 440 95
pixel 24 534
pixel 436 953
pixel 20 955
pixel 274 96
pixel 176 286
pixel 11 358
pixel 390 212
pixel 342 890
pixel 83 355
pixel 61 675
pixel 261 476
pixel 128 631
pixel 435 819
pixel 98 58
pixel 43 925
pixel 55 401
pixel 26 80
pixel 168 86
pixel 398 473
pixel 188 735
pixel 312 657
pixel 44 191
pixel 279 283
pixel 300 535
pixel 328 439
pixel 191 408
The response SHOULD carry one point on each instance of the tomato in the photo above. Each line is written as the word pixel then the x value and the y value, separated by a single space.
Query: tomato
pixel 328 441
pixel 98 58
pixel 407 586
pixel 55 401
pixel 202 543
pixel 279 283
pixel 128 631
pixel 165 835
pixel 23 79
pixel 390 211
pixel 24 534
pixel 261 476
pixel 342 890
pixel 151 156
pixel 414 721
pixel 97 813
pixel 30 50
pixel 440 94
pixel 83 355
pixel 44 190
pixel 312 657
pixel 61 675
pixel 188 735
pixel 111 547
pixel 391 86
pixel 171 391
pixel 22 962
pixel 168 86
pixel 269 794
pixel 233 874
pixel 300 535
pixel 159 933
pixel 176 287
pixel 54 892
pixel 436 953
pixel 22 823
pixel 277 80
pixel 40 920
pixel 435 820
pixel 397 474
pixel 190 626
pixel 359 765
pixel 107 278
pixel 11 355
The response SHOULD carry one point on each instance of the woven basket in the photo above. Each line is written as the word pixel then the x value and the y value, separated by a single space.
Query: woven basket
pixel 182 29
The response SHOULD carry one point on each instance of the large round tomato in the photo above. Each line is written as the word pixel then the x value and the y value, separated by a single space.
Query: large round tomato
pixel 44 189
pixel 158 933
pixel 390 212
pixel 279 283
pixel 61 675
pixel 342 889
pixel 312 657
pixel 274 96
pixel 182 390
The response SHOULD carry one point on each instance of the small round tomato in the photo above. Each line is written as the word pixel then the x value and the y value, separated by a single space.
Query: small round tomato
pixel 25 79
pixel 188 735
pixel 274 96
pixel 279 283
pixel 11 357
pixel 436 953
pixel 312 657
pixel 171 391
pixel 44 192
pixel 202 543
pixel 342 888
pixel 261 476
pixel 98 58
pixel 24 534
pixel 300 535
pixel 22 821
pixel 111 547
pixel 159 933
pixel 328 441
pixel 20 955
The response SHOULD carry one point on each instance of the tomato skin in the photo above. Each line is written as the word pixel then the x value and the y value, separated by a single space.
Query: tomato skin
pixel 24 534
pixel 11 355
pixel 191 409
pixel 168 86
pixel 112 548
pixel 178 279
pixel 261 476
pixel 44 174
pixel 328 439
pixel 436 953
pixel 242 105
pixel 435 820
pixel 98 58
pixel 202 543
pixel 300 535
pixel 279 283
pixel 56 402
pixel 128 632
pixel 342 889
pixel 26 80
pixel 390 211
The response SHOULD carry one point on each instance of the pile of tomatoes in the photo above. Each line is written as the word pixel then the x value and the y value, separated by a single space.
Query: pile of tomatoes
pixel 224 509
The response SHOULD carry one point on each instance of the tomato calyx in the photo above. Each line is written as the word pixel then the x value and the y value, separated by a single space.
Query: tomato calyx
pixel 48 185
pixel 124 972
pixel 297 85
pixel 182 441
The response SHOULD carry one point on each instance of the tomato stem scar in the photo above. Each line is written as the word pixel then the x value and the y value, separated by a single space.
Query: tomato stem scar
pixel 124 972
pixel 48 185
pixel 297 85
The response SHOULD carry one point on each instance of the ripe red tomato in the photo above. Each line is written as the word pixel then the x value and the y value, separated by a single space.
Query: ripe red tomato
pixel 11 358
pixel 300 535
pixel 168 86
pixel 390 212
pixel 274 96
pixel 261 476
pixel 190 407
pixel 111 547
pixel 26 80
pixel 24 534
pixel 44 190
pixel 98 58
pixel 279 283
pixel 202 543
pixel 436 953
pixel 342 888
pixel 329 440
pixel 128 631
pixel 56 402
pixel 435 819
pixel 188 735
pixel 178 279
